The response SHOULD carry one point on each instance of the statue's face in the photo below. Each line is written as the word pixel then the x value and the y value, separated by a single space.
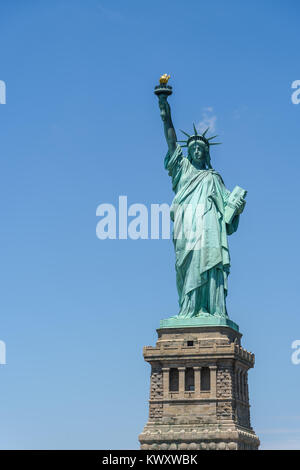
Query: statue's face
pixel 197 151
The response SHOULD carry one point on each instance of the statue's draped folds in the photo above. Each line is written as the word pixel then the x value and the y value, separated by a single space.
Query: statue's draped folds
pixel 200 237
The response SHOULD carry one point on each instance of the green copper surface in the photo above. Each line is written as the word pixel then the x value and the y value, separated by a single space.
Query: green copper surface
pixel 212 320
pixel 200 231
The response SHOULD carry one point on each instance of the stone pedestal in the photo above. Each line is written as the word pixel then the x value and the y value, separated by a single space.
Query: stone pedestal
pixel 199 391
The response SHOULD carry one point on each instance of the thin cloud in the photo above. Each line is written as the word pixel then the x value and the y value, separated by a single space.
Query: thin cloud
pixel 209 119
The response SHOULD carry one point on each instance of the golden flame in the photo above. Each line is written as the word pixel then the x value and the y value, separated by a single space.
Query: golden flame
pixel 164 79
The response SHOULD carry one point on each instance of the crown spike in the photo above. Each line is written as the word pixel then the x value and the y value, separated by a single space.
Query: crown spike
pixel 195 130
pixel 185 133
pixel 210 138
pixel 203 135
pixel 215 143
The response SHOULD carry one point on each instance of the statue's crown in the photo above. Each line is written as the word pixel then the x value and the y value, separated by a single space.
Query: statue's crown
pixel 196 136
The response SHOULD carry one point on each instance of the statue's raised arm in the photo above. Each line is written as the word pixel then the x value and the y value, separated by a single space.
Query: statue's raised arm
pixel 163 91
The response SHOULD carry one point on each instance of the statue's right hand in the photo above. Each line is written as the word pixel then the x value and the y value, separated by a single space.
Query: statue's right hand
pixel 164 107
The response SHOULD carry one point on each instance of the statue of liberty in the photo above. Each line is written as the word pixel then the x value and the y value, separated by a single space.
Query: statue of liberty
pixel 201 223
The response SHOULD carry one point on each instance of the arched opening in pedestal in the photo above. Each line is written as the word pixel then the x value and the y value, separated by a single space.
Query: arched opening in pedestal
pixel 173 380
pixel 189 379
pixel 205 379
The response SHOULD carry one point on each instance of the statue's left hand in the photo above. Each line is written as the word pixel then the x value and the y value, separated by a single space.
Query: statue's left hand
pixel 240 205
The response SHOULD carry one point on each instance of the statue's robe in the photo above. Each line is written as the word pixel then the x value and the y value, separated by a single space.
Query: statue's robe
pixel 200 237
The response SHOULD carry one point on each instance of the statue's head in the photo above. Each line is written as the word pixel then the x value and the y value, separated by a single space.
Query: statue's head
pixel 198 152
pixel 198 148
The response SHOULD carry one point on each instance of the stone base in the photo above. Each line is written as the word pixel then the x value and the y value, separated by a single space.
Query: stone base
pixel 199 390
pixel 198 437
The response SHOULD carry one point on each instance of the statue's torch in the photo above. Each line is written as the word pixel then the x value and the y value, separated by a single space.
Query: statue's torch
pixel 163 88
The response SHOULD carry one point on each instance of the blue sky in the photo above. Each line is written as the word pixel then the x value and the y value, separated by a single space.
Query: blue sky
pixel 81 126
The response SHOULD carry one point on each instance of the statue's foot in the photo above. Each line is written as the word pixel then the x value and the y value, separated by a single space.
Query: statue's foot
pixel 220 315
pixel 181 316
pixel 203 313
